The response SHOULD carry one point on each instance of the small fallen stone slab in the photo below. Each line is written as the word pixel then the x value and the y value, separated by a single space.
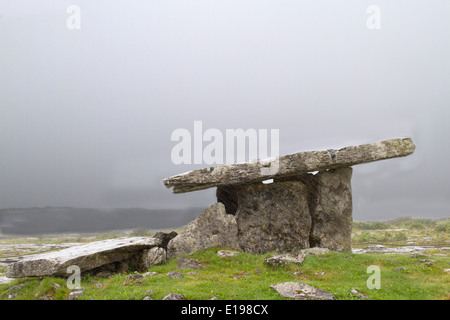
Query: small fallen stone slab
pixel 358 294
pixel 227 253
pixel 285 258
pixel 399 269
pixel 315 251
pixel 86 257
pixel 399 250
pixel 302 291
pixel 75 294
pixel 5 280
pixel 150 273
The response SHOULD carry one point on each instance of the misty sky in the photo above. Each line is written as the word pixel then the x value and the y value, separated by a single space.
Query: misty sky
pixel 86 115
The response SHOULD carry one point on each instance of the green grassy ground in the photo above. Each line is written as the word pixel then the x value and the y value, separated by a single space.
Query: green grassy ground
pixel 246 276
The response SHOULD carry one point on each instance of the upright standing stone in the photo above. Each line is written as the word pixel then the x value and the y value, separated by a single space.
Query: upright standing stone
pixel 273 217
pixel 213 227
pixel 331 210
pixel 293 213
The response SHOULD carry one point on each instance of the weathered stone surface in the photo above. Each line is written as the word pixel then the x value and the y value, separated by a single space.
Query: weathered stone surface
pixel 87 257
pixel 358 294
pixel 187 263
pixel 293 213
pixel 301 291
pixel 175 274
pixel 285 258
pixel 5 280
pixel 315 251
pixel 213 227
pixel 331 209
pixel 289 165
pixel 413 250
pixel 146 258
pixel 165 238
pixel 174 296
pixel 75 294
pixel 227 253
pixel 273 217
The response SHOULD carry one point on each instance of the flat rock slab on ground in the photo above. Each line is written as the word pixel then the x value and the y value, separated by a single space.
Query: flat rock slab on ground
pixel 284 258
pixel 301 291
pixel 288 165
pixel 5 280
pixel 86 257
pixel 187 263
pixel 227 253
pixel 397 250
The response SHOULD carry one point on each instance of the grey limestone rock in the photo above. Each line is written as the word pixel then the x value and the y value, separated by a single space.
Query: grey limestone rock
pixel 273 217
pixel 289 165
pixel 294 213
pixel 285 258
pixel 301 291
pixel 174 296
pixel 146 258
pixel 331 210
pixel 86 257
pixel 175 274
pixel 213 227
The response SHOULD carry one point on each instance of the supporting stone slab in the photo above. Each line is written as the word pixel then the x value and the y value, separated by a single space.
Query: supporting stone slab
pixel 273 217
pixel 293 213
pixel 213 227
pixel 331 210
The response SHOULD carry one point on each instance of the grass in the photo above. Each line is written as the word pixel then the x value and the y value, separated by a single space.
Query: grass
pixel 246 276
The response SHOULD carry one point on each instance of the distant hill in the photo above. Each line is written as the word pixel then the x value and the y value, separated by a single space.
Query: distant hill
pixel 32 221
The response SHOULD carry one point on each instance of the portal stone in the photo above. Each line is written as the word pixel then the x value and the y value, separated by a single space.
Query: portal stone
pixel 331 210
pixel 213 227
pixel 273 217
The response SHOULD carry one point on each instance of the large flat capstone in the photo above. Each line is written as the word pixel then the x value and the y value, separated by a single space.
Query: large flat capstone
pixel 289 165
pixel 86 257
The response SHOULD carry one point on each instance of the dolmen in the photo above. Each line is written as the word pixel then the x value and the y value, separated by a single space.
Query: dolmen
pixel 279 204
pixel 296 210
